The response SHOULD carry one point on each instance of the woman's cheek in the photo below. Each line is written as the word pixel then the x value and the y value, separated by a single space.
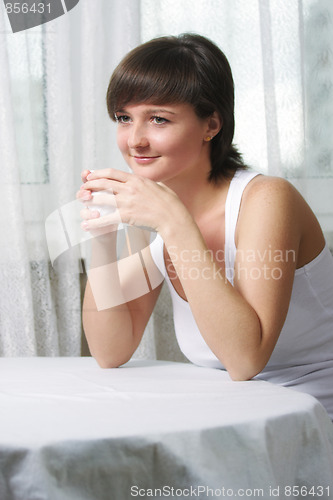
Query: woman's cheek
pixel 121 141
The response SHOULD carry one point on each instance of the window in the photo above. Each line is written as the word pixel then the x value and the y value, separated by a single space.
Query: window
pixel 28 94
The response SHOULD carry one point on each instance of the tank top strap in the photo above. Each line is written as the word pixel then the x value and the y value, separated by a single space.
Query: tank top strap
pixel 238 183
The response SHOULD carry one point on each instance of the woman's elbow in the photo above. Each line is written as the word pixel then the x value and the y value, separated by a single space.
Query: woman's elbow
pixel 246 370
pixel 107 362
pixel 240 376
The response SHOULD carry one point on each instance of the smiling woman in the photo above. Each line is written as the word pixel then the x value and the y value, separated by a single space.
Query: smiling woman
pixel 177 71
pixel 249 312
pixel 163 139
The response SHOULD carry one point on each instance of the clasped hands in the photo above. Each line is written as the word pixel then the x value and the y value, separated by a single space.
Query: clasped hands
pixel 127 198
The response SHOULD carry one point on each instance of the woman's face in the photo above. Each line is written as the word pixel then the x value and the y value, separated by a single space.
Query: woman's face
pixel 163 142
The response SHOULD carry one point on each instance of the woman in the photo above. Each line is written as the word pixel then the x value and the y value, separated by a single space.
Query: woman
pixel 246 262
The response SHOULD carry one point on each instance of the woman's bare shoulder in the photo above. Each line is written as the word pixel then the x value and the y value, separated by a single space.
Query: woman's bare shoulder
pixel 266 186
pixel 272 194
pixel 273 204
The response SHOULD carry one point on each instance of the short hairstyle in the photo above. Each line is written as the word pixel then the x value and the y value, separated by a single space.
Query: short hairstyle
pixel 187 68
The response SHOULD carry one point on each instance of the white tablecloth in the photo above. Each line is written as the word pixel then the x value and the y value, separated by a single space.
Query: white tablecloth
pixel 70 430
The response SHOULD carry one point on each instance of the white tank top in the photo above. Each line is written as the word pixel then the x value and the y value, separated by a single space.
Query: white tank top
pixel 303 356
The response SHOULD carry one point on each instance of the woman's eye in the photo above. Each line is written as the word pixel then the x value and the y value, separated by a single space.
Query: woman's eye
pixel 122 118
pixel 159 120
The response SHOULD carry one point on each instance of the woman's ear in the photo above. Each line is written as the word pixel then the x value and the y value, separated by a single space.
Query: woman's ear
pixel 214 125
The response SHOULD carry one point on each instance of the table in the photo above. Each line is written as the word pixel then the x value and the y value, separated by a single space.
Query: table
pixel 70 430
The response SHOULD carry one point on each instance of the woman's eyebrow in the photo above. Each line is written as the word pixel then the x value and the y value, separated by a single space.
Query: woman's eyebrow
pixel 150 111
pixel 159 110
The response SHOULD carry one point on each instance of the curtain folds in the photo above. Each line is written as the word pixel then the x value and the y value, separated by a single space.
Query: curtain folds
pixel 17 319
pixel 54 123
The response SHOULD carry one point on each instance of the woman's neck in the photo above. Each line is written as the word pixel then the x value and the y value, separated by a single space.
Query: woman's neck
pixel 198 194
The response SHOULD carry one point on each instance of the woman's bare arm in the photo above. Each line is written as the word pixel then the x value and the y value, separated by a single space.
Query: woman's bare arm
pixel 112 323
pixel 241 324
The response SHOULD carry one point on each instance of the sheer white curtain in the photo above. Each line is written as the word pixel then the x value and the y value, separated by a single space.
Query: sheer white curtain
pixel 281 54
pixel 53 123
pixel 281 57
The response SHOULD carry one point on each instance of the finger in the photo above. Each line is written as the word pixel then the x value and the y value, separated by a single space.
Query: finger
pixel 88 214
pixel 107 220
pixel 106 198
pixel 103 184
pixel 83 195
pixel 109 173
pixel 84 175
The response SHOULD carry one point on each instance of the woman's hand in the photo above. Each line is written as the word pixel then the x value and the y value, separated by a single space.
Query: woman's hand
pixel 96 207
pixel 136 201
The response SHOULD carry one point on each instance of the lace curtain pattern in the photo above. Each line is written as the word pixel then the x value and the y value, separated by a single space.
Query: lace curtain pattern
pixel 53 124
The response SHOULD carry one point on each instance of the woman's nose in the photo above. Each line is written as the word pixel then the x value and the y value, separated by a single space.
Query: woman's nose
pixel 137 137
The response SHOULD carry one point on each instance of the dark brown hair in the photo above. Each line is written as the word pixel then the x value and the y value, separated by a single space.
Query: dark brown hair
pixel 186 68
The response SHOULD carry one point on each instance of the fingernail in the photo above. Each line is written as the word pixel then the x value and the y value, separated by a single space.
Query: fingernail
pixel 84 225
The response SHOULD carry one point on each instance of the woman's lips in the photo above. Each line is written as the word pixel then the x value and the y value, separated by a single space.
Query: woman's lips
pixel 143 160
